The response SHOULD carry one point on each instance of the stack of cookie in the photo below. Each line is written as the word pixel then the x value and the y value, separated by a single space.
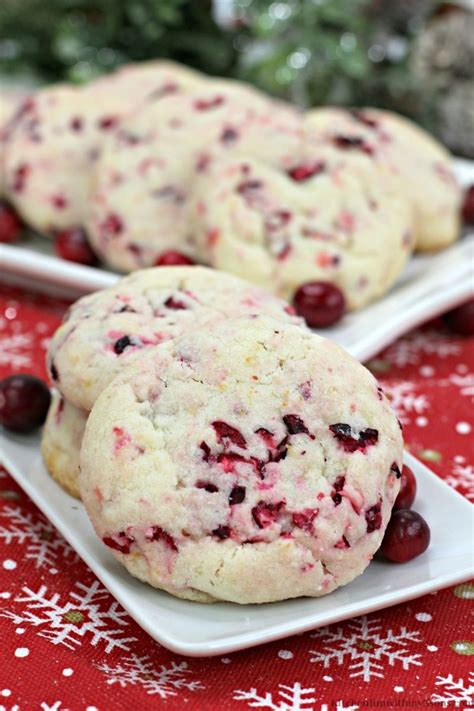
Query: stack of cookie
pixel 229 453
pixel 157 157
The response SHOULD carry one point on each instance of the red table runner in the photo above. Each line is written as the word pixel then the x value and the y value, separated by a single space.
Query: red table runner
pixel 68 646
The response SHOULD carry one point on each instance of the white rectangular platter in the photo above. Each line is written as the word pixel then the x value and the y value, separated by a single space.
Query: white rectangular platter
pixel 206 630
pixel 430 285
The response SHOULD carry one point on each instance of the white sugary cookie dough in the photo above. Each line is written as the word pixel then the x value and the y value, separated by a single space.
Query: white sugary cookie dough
pixel 250 462
pixel 52 148
pixel 423 167
pixel 139 208
pixel 10 102
pixel 109 329
pixel 61 442
pixel 325 219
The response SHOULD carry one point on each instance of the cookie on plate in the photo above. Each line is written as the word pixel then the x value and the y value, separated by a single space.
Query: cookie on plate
pixel 251 462
pixel 61 442
pixel 139 208
pixel 324 219
pixel 423 167
pixel 10 103
pixel 54 143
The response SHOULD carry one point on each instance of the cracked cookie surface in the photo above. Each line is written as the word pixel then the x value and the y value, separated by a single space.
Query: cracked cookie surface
pixel 251 461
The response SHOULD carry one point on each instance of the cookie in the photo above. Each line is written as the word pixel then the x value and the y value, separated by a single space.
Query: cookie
pixel 106 330
pixel 55 142
pixel 10 103
pixel 251 461
pixel 423 167
pixel 323 219
pixel 61 442
pixel 139 208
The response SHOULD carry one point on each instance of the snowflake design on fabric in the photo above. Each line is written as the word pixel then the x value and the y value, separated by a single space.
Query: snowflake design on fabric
pixel 465 383
pixel 87 615
pixel 291 698
pixel 411 349
pixel 404 400
pixel 55 707
pixel 461 478
pixel 14 351
pixel 43 544
pixel 366 648
pixel 164 681
pixel 455 692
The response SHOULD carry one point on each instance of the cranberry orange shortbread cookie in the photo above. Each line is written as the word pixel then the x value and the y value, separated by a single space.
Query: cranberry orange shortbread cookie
pixel 61 442
pixel 110 328
pixel 139 208
pixel 54 143
pixel 323 219
pixel 423 167
pixel 252 461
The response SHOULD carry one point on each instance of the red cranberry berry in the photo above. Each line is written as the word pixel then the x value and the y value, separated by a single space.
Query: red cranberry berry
pixel 10 224
pixel 320 303
pixel 407 493
pixel 468 206
pixel 173 259
pixel 24 403
pixel 72 245
pixel 406 537
pixel 461 320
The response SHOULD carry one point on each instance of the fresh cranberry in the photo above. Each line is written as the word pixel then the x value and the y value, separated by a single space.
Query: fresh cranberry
pixel 320 303
pixel 468 206
pixel 407 536
pixel 461 320
pixel 24 403
pixel 407 493
pixel 173 259
pixel 72 245
pixel 10 224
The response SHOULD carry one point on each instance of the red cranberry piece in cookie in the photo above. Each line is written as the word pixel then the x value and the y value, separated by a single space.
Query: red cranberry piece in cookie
pixel 121 344
pixel 221 532
pixel 407 493
pixel 120 542
pixel 264 513
pixel 173 259
pixel 350 443
pixel 237 495
pixel 72 245
pixel 304 519
pixel 373 518
pixel 320 303
pixel 206 104
pixel 10 225
pixel 461 320
pixel 226 434
pixel 24 403
pixel 156 533
pixel 407 536
pixel 468 206
pixel 295 424
pixel 300 173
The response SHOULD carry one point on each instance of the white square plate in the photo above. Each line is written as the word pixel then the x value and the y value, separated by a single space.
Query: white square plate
pixel 206 630
pixel 430 285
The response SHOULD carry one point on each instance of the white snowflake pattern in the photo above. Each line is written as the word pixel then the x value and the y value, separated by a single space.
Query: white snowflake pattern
pixel 11 352
pixel 9 708
pixel 291 698
pixel 79 618
pixel 461 478
pixel 404 400
pixel 164 681
pixel 55 707
pixel 465 383
pixel 454 691
pixel 411 349
pixel 366 647
pixel 43 544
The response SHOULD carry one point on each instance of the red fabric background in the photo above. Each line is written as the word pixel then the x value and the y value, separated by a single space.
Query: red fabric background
pixel 414 655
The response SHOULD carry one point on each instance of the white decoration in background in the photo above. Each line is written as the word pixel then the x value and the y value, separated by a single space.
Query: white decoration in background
pixel 462 476
pixel 10 353
pixel 455 692
pixel 164 681
pixel 43 543
pixel 292 698
pixel 465 383
pixel 410 349
pixel 80 617
pixel 364 648
pixel 404 400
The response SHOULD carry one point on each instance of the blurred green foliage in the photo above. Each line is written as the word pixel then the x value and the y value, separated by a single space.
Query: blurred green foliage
pixel 310 51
